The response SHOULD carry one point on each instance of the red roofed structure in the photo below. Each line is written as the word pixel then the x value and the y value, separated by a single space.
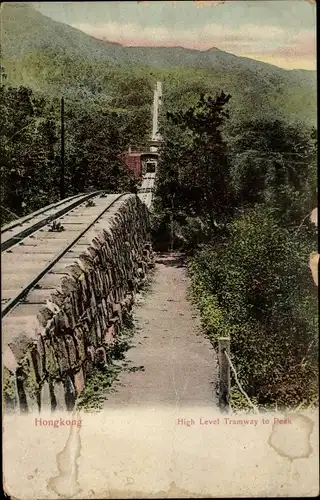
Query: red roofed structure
pixel 140 162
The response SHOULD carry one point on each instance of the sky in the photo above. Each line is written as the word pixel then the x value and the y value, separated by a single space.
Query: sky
pixel 279 32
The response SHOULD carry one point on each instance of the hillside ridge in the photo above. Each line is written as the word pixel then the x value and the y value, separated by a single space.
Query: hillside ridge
pixel 41 32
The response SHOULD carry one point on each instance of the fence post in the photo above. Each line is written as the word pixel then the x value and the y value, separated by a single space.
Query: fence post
pixel 224 371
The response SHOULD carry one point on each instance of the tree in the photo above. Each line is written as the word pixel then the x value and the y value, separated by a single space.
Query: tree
pixel 274 163
pixel 255 287
pixel 194 171
pixel 28 155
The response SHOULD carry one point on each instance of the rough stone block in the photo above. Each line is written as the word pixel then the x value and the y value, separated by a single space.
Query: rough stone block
pixel 45 397
pixel 68 285
pixel 58 397
pixel 62 354
pixel 79 340
pixel 29 374
pixel 41 360
pixel 68 314
pixel 89 327
pixel 90 353
pixel 70 392
pixel 21 344
pixel 72 351
pixel 61 323
pixel 109 335
pixel 97 329
pixel 74 271
pixel 51 362
pixel 57 298
pixel 117 311
pixel 86 262
pixel 8 360
pixel 9 390
pixel 44 316
pixel 79 381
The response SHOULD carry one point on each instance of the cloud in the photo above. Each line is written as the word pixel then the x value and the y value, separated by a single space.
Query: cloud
pixel 299 52
pixel 264 42
pixel 302 45
pixel 204 36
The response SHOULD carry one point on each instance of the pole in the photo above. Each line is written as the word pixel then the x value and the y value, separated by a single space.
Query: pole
pixel 62 181
pixel 224 370
pixel 171 225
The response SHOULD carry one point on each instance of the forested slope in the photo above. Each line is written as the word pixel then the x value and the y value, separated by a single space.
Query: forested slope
pixel 53 56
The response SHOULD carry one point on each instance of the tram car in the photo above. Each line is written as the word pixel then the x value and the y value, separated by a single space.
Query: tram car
pixel 149 162
pixel 150 166
pixel 141 163
pixel 133 162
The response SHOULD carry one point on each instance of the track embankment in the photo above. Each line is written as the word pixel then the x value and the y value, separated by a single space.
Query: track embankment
pixel 68 320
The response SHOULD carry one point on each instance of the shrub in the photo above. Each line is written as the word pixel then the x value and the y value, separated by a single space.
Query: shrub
pixel 257 288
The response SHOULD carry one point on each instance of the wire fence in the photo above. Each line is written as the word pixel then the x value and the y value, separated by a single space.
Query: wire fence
pixel 295 408
pixel 243 392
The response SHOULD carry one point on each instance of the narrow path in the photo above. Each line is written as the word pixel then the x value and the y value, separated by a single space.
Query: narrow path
pixel 179 362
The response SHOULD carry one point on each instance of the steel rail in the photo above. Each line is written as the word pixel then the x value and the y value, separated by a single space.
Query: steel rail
pixel 15 300
pixel 26 218
pixel 38 225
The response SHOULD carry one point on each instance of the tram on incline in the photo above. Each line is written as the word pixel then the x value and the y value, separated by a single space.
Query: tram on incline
pixel 149 162
pixel 141 163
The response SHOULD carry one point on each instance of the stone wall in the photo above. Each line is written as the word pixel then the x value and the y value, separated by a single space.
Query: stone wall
pixel 47 360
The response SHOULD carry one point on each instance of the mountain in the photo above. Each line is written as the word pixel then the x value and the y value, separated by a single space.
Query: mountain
pixel 48 56
pixel 24 29
pixel 42 33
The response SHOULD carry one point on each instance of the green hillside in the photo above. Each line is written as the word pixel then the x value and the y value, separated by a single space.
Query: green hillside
pixel 111 86
pixel 52 56
pixel 42 33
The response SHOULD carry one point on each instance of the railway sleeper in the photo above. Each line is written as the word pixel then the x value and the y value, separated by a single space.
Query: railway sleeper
pixel 78 327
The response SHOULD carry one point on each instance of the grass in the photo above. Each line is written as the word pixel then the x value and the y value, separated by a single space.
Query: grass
pixel 100 380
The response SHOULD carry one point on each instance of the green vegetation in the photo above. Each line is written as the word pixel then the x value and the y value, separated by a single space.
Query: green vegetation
pixel 236 195
pixel 256 288
pixel 100 379
pixel 97 131
pixel 52 57
pixel 237 176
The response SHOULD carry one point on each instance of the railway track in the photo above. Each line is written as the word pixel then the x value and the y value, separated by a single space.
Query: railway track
pixel 31 249
pixel 43 251
pixel 16 231
pixel 146 189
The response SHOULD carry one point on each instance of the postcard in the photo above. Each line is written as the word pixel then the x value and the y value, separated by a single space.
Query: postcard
pixel 159 249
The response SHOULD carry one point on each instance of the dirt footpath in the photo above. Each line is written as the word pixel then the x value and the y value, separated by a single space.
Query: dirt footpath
pixel 179 362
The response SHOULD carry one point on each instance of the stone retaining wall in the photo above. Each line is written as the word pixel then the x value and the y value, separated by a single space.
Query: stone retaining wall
pixel 46 362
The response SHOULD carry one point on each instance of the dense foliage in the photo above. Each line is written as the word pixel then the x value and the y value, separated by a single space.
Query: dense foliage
pixel 256 288
pixel 52 55
pixel 236 194
pixel 97 131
